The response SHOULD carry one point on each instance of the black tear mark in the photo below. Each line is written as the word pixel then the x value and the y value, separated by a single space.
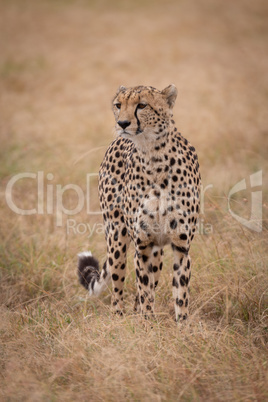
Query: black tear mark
pixel 138 122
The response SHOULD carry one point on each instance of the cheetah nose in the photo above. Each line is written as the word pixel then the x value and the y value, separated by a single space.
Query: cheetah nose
pixel 124 123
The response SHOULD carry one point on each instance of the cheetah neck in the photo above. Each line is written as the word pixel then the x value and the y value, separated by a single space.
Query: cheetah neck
pixel 154 158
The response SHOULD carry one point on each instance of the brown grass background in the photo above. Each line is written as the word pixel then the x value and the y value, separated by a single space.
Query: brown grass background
pixel 60 64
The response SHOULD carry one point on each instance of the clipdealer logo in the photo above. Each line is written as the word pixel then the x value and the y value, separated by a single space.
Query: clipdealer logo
pixel 46 195
pixel 50 201
pixel 255 220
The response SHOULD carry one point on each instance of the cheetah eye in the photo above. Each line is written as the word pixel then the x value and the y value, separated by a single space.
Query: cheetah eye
pixel 118 105
pixel 141 105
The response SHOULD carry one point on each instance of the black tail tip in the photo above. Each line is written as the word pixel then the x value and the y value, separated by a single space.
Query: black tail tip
pixel 88 267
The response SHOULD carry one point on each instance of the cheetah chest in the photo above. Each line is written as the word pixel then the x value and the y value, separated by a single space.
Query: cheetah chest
pixel 156 216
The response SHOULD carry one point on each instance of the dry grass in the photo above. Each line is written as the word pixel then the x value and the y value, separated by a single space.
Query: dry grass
pixel 60 64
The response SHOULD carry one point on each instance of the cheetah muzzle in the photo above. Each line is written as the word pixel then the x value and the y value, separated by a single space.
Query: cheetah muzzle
pixel 149 190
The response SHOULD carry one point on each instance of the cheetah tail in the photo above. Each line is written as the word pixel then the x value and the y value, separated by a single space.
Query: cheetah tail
pixel 89 274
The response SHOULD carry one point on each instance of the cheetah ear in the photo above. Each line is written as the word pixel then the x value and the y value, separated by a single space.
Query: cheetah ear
pixel 121 88
pixel 170 93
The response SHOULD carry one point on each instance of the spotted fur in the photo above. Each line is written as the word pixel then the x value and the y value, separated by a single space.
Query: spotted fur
pixel 149 188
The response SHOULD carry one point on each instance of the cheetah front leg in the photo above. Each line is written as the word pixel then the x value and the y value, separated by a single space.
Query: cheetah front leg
pixel 146 280
pixel 117 244
pixel 156 268
pixel 137 308
pixel 180 283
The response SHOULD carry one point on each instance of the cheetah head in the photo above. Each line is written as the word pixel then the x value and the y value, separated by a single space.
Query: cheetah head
pixel 143 114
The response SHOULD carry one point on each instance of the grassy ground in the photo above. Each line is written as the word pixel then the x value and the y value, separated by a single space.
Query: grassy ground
pixel 60 64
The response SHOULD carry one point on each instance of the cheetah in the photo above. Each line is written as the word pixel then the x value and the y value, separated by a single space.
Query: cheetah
pixel 149 190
